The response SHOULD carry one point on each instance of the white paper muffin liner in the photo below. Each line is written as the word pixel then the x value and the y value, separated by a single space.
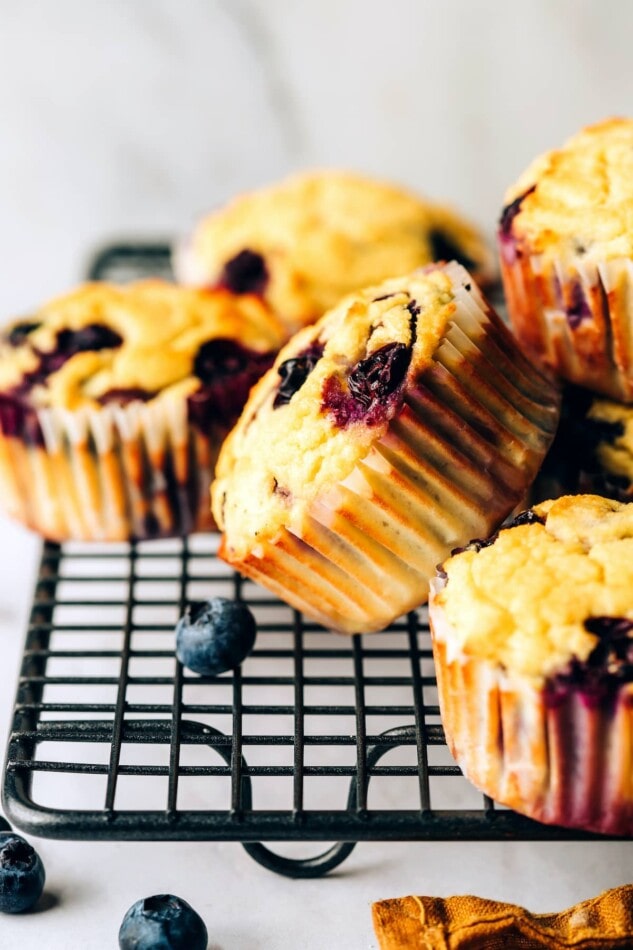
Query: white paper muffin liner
pixel 568 762
pixel 110 474
pixel 576 316
pixel 451 466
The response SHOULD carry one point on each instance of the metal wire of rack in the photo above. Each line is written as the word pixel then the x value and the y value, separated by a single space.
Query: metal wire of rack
pixel 316 738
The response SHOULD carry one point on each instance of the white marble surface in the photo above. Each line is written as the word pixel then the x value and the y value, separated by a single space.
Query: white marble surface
pixel 125 119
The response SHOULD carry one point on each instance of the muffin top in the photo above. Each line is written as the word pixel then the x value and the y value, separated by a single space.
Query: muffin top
pixel 550 594
pixel 103 343
pixel 330 395
pixel 576 202
pixel 306 242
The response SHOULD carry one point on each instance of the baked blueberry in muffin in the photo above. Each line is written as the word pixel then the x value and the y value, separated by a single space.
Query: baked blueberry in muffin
pixel 114 401
pixel 533 643
pixel 400 425
pixel 305 242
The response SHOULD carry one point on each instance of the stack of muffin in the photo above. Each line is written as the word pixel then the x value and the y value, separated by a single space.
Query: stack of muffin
pixel 394 417
pixel 533 627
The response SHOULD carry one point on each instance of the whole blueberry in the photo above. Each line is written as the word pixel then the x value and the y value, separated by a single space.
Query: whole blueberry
pixel 163 922
pixel 215 636
pixel 22 874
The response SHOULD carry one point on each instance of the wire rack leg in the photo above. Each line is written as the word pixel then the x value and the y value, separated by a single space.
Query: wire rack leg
pixel 323 863
pixel 317 866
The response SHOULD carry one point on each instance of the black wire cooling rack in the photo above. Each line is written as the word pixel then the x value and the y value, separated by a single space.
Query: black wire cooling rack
pixel 281 750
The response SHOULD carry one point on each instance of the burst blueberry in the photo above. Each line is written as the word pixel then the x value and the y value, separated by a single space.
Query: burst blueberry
pixel 215 636
pixel 162 922
pixel 22 874
pixel 294 372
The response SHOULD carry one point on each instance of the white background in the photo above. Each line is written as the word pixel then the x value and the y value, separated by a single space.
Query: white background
pixel 128 119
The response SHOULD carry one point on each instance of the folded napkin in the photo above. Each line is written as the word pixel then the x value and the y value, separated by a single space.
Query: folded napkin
pixel 472 923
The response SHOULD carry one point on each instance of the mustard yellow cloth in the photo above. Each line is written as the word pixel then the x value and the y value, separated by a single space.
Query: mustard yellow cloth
pixel 472 923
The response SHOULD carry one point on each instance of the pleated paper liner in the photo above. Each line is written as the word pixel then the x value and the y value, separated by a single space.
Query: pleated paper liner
pixel 453 463
pixel 577 317
pixel 109 474
pixel 566 762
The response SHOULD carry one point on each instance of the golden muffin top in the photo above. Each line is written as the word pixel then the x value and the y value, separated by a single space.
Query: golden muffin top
pixel 330 395
pixel 105 343
pixel 541 593
pixel 307 241
pixel 577 201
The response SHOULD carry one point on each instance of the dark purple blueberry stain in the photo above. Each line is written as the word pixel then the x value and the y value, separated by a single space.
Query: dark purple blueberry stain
pixel 246 273
pixel 123 396
pixel 529 516
pixel 578 308
pixel 510 212
pixel 373 387
pixel 19 332
pixel 19 420
pixel 227 371
pixel 17 417
pixel 294 372
pixel 477 544
pixel 380 374
pixel 443 248
pixel 91 338
pixel 507 243
pixel 384 297
pixel 608 666
pixel 414 309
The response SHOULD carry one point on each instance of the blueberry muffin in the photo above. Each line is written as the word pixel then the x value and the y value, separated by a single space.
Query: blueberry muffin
pixel 533 644
pixel 306 242
pixel 566 247
pixel 114 401
pixel 592 452
pixel 381 437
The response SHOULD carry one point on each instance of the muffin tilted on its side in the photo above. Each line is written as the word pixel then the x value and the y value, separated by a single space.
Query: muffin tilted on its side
pixel 533 644
pixel 305 242
pixel 566 249
pixel 114 402
pixel 382 436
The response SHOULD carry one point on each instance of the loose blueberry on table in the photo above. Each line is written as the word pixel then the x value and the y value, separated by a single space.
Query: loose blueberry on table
pixel 215 636
pixel 22 874
pixel 163 922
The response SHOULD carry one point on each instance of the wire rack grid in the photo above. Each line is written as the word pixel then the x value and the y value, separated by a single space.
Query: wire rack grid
pixel 282 749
